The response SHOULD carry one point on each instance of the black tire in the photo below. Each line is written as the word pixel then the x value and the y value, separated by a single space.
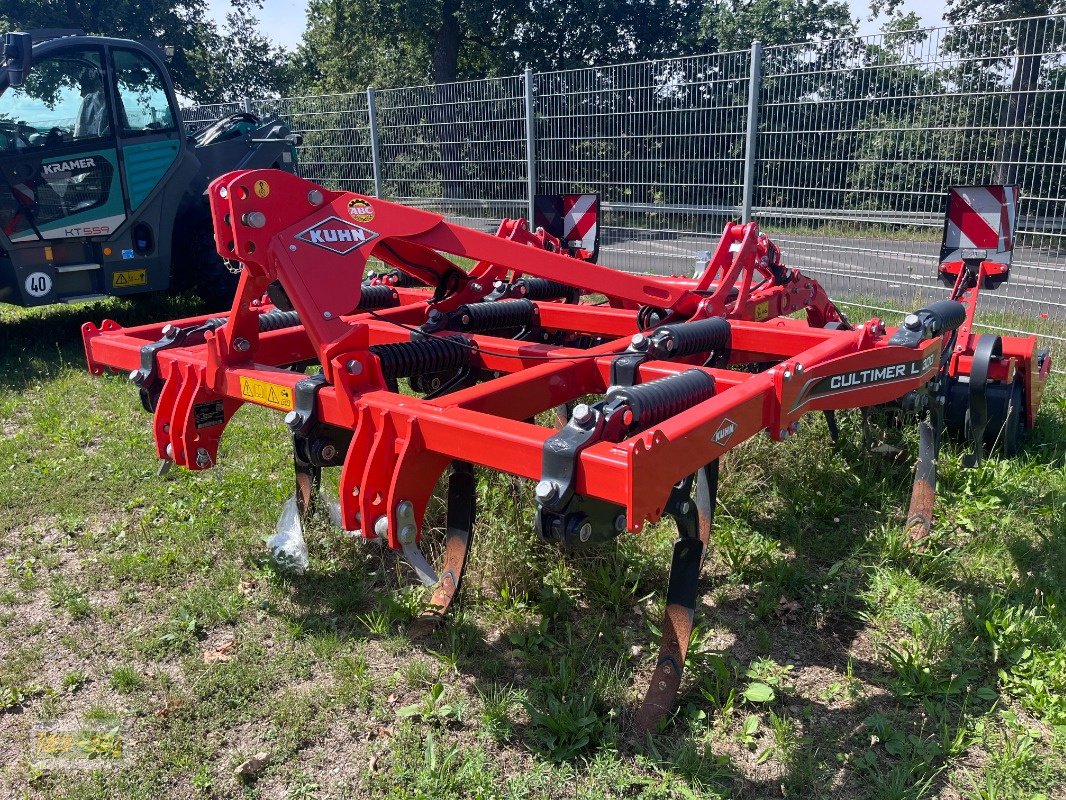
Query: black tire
pixel 198 266
pixel 1011 430
pixel 1006 416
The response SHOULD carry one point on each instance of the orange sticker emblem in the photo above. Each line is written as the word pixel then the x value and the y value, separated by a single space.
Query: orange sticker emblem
pixel 262 188
pixel 361 210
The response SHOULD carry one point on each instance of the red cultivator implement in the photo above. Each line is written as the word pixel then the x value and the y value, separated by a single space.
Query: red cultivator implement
pixel 679 371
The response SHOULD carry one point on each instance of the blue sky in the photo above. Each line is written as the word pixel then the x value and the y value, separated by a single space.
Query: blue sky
pixel 284 20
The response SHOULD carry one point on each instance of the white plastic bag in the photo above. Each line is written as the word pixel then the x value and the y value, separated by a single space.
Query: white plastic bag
pixel 287 545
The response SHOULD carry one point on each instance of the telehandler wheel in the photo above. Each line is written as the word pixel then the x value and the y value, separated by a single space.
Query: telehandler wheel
pixel 197 264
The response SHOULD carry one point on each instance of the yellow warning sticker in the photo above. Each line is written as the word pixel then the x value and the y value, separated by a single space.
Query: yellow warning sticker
pixel 762 310
pixel 262 188
pixel 48 253
pixel 129 277
pixel 267 394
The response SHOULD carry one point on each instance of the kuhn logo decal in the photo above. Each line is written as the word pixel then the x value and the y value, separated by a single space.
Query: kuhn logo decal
pixel 725 430
pixel 336 235
pixel 68 166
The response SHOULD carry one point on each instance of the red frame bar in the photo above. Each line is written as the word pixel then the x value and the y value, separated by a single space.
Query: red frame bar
pixel 401 444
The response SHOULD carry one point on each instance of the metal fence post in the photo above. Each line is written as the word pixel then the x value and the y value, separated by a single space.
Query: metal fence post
pixel 375 145
pixel 531 147
pixel 751 138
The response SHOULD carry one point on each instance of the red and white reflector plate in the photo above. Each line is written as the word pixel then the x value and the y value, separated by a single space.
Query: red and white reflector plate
pixel 982 218
pixel 569 217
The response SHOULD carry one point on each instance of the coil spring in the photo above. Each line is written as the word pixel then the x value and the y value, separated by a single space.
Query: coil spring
pixel 661 399
pixel 379 296
pixel 686 338
pixel 431 354
pixel 544 289
pixel 494 316
pixel 400 278
pixel 949 314
pixel 275 320
pixel 650 316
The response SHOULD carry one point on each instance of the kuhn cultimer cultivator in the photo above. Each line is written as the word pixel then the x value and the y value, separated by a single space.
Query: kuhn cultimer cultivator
pixel 680 370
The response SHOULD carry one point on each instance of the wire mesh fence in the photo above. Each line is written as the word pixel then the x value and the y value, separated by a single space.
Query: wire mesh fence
pixel 197 117
pixel 860 138
pixel 842 149
pixel 456 148
pixel 661 142
pixel 335 129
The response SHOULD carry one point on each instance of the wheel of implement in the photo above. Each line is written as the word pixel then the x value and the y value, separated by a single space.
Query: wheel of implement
pixel 197 264
pixel 987 413
pixel 1006 418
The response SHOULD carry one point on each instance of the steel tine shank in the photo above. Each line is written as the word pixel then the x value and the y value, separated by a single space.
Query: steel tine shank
pixel 923 496
pixel 694 523
pixel 462 512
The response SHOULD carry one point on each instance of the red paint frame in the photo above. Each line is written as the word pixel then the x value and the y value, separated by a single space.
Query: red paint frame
pixel 401 444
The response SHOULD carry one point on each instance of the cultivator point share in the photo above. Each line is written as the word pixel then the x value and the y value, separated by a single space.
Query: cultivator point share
pixel 436 366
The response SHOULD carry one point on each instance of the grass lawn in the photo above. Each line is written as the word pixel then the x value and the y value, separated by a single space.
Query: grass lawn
pixel 140 614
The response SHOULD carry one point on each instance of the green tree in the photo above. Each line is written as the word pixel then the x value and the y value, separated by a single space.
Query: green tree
pixel 734 24
pixel 1019 47
pixel 243 63
pixel 350 44
pixel 210 64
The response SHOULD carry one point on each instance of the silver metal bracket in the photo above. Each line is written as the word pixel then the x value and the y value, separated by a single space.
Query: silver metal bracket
pixel 405 519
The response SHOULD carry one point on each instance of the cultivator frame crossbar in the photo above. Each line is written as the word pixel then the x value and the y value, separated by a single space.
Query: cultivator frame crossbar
pixel 687 369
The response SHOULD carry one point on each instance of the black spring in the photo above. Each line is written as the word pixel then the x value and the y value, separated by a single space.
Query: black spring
pixel 650 316
pixel 712 335
pixel 430 354
pixel 475 317
pixel 949 314
pixel 544 289
pixel 402 279
pixel 277 319
pixel 379 296
pixel 274 320
pixel 661 399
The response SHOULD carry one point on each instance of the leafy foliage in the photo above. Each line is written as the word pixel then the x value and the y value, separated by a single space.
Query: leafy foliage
pixel 421 42
pixel 211 63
